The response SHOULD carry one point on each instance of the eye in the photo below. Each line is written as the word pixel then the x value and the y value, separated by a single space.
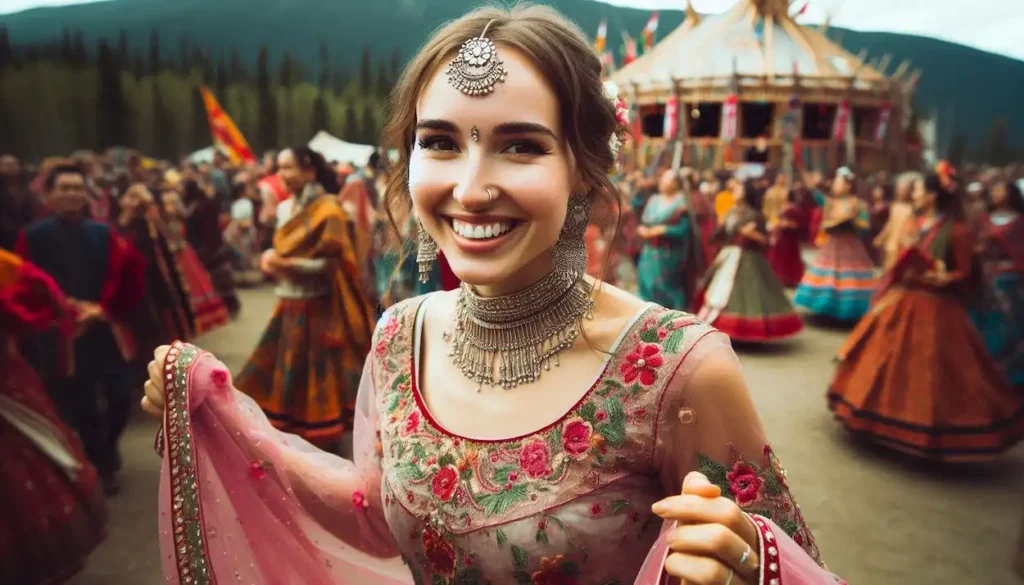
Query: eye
pixel 438 143
pixel 525 147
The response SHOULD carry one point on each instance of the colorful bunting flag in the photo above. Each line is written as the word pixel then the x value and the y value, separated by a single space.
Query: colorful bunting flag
pixel 225 133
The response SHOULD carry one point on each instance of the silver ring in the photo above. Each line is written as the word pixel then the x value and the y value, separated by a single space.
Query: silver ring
pixel 731 574
pixel 490 196
pixel 745 557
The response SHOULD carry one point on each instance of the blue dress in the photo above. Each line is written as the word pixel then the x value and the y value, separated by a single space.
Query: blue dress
pixel 662 269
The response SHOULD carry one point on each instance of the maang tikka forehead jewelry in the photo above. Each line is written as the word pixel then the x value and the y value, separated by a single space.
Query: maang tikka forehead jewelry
pixel 476 69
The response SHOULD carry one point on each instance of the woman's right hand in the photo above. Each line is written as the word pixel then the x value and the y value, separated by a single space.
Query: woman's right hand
pixel 154 400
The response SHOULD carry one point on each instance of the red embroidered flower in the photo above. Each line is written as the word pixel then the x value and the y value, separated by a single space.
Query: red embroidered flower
pixel 359 500
pixel 382 350
pixel 535 459
pixel 601 415
pixel 256 470
pixel 440 552
pixel 640 414
pixel 432 461
pixel 390 329
pixel 595 510
pixel 461 497
pixel 553 571
pixel 444 483
pixel 744 483
pixel 411 424
pixel 219 377
pixel 513 476
pixel 662 333
pixel 642 363
pixel 576 434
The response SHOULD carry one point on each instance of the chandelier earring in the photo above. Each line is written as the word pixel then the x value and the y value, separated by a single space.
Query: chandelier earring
pixel 426 252
pixel 571 248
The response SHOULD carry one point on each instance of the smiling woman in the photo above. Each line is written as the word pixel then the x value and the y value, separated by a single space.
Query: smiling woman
pixel 535 426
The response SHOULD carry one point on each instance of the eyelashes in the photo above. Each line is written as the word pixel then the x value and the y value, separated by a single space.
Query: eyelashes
pixel 514 147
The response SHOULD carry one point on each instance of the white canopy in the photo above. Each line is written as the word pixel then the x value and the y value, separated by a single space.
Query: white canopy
pixel 336 149
pixel 203 155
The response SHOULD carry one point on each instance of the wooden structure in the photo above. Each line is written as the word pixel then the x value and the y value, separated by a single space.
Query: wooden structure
pixel 790 83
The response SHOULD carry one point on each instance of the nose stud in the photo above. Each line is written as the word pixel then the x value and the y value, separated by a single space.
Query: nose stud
pixel 474 133
pixel 490 196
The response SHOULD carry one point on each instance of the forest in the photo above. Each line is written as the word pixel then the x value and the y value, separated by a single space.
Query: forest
pixel 59 97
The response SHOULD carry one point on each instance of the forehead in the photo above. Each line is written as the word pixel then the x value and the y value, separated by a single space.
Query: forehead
pixel 524 96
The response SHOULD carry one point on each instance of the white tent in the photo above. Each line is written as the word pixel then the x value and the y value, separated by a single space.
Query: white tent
pixel 203 155
pixel 336 149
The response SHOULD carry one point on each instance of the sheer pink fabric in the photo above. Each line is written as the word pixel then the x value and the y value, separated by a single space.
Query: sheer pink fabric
pixel 250 504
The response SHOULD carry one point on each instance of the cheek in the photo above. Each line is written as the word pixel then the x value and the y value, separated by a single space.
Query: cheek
pixel 429 182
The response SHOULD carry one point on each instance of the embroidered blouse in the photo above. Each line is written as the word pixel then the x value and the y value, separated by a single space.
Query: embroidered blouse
pixel 569 503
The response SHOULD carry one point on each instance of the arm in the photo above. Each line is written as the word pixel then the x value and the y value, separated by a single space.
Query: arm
pixel 291 512
pixel 679 229
pixel 707 423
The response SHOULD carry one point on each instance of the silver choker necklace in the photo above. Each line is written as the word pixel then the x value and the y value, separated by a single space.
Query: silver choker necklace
pixel 507 341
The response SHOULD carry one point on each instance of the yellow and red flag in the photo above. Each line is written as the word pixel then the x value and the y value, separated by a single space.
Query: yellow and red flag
pixel 601 42
pixel 650 30
pixel 225 133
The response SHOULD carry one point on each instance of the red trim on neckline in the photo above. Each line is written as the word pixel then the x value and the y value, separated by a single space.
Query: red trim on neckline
pixel 422 406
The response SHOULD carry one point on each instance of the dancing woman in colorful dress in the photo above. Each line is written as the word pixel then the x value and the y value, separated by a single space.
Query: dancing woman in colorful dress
pixel 52 505
pixel 305 369
pixel 493 444
pixel 672 258
pixel 914 375
pixel 742 296
pixel 785 253
pixel 840 280
pixel 1000 319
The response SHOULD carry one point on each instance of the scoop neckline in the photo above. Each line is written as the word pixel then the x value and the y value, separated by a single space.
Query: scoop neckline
pixel 436 425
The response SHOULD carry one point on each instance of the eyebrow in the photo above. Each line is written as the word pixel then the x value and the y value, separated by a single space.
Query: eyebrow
pixel 499 130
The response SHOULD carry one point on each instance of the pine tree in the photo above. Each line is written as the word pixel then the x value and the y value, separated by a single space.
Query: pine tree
pixel 124 53
pixel 957 149
pixel 996 149
pixel 138 66
pixel 154 51
pixel 365 72
pixel 236 69
pixel 184 55
pixel 76 64
pixel 340 80
pixel 6 55
pixel 287 80
pixel 112 111
pixel 267 113
pixel 200 127
pixel 396 65
pixel 66 47
pixel 369 130
pixel 351 123
pixel 384 81
pixel 164 137
pixel 78 51
pixel 222 82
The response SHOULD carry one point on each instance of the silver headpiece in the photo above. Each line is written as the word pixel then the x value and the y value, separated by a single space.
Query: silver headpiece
pixel 476 69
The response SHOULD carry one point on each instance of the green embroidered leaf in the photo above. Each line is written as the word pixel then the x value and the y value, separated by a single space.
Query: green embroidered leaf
pixel 635 389
pixel 419 451
pixel 502 539
pixel 399 380
pixel 674 341
pixel 668 316
pixel 393 399
pixel 616 414
pixel 520 558
pixel 399 448
pixel 772 487
pixel 760 512
pixel 500 502
pixel 523 578
pixel 469 576
pixel 614 428
pixel 789 525
pixel 609 385
pixel 555 439
pixel 501 473
pixel 714 471
pixel 437 580
pixel 542 536
pixel 619 505
pixel 541 488
pixel 466 474
pixel 410 472
pixel 446 459
pixel 649 335
pixel 587 412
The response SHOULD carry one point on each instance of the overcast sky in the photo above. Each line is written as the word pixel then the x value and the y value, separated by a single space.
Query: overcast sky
pixel 993 25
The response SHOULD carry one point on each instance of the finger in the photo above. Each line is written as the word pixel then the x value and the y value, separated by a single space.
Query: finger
pixel 697 483
pixel 155 394
pixel 160 354
pixel 692 509
pixel 153 368
pixel 148 407
pixel 697 570
pixel 715 540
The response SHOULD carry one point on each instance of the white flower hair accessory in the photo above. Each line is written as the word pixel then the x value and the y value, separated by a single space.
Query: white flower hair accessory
pixel 611 93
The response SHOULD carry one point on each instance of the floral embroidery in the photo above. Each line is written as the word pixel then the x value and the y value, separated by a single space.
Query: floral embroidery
pixel 761 489
pixel 643 363
pixel 576 435
pixel 444 483
pixel 256 470
pixel 359 500
pixel 440 552
pixel 534 460
pixel 556 571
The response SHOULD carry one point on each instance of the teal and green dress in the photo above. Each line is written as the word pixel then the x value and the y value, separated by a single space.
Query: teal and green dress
pixel 671 263
pixel 740 293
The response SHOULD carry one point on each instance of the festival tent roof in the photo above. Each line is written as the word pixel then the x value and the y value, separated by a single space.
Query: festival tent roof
pixel 336 149
pixel 756 39
pixel 204 155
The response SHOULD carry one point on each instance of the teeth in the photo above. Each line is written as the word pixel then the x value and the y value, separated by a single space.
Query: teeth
pixel 480 232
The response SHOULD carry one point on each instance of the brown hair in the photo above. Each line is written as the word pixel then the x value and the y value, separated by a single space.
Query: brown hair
pixel 564 57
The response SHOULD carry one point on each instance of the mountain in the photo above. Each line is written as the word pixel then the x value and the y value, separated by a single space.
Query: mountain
pixel 976 86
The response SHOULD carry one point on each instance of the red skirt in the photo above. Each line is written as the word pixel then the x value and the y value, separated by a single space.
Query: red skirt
pixel 207 307
pixel 784 256
pixel 52 520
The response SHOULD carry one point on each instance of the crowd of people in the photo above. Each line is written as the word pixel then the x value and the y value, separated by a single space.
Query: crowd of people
pixel 107 257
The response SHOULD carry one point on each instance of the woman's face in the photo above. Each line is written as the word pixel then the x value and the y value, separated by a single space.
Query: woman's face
pixel 841 185
pixel 878 194
pixel 921 198
pixel 293 176
pixel 998 194
pixel 505 242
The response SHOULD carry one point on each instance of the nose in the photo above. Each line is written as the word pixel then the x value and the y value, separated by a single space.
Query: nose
pixel 471 189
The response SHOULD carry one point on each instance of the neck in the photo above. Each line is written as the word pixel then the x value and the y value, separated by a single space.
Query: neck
pixel 528 276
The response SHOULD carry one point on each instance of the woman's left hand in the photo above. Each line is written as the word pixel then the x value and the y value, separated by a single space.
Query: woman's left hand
pixel 714 543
